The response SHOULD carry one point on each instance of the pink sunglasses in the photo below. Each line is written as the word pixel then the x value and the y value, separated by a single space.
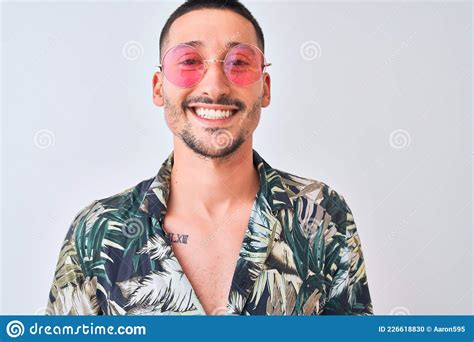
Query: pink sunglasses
pixel 183 65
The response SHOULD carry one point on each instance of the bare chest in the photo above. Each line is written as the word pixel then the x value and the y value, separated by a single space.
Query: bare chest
pixel 208 255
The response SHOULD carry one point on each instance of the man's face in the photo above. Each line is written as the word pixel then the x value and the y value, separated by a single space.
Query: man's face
pixel 210 137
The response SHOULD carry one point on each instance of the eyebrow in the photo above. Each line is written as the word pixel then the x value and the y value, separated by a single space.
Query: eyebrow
pixel 198 43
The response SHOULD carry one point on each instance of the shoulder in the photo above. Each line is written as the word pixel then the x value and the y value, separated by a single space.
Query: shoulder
pixel 316 200
pixel 105 222
pixel 127 200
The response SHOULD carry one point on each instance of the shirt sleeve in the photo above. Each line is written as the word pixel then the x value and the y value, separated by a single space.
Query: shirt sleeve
pixel 348 293
pixel 72 293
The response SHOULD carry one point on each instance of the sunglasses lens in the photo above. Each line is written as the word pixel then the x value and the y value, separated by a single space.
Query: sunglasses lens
pixel 183 66
pixel 243 65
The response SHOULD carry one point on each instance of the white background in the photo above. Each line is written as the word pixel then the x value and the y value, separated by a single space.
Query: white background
pixel 372 98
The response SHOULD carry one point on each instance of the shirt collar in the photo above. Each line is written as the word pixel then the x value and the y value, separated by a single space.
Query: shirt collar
pixel 155 200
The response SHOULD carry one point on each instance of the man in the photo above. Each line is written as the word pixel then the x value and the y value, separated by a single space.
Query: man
pixel 217 231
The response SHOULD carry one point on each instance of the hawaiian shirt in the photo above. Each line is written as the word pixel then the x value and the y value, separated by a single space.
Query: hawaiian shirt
pixel 301 255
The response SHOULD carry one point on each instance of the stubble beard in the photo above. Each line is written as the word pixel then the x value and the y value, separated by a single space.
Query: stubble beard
pixel 222 143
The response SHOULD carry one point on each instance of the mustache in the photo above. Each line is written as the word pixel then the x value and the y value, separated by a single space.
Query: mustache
pixel 223 100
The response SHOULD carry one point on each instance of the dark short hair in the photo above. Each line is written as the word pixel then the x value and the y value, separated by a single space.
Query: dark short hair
pixel 232 5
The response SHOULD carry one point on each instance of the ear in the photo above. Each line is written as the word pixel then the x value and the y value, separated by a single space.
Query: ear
pixel 158 89
pixel 266 90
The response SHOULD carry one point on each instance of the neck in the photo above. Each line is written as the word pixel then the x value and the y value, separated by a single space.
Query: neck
pixel 211 187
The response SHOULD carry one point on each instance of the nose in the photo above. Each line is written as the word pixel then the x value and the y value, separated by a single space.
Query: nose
pixel 214 83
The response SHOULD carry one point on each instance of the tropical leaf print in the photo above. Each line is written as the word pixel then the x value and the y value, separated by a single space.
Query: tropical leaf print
pixel 301 254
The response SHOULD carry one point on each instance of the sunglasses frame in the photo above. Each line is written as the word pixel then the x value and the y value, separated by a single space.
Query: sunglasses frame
pixel 264 65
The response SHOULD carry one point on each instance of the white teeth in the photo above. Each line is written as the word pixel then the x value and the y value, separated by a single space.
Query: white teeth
pixel 213 114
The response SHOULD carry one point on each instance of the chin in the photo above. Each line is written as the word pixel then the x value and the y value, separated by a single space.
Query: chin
pixel 220 145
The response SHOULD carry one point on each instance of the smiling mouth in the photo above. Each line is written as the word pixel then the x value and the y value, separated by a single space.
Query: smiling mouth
pixel 213 114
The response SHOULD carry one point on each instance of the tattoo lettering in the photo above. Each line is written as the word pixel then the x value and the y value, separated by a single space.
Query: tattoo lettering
pixel 178 238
